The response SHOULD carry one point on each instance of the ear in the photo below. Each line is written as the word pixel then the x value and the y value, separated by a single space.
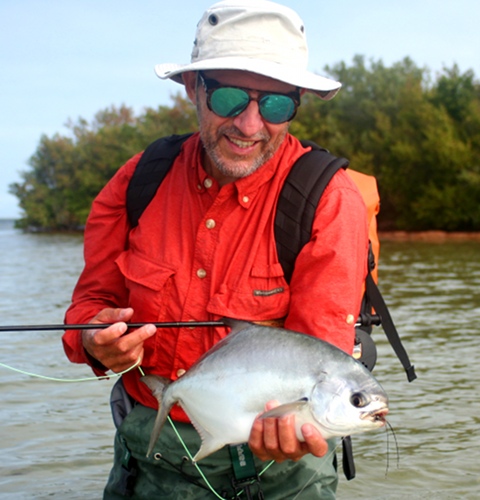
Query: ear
pixel 190 82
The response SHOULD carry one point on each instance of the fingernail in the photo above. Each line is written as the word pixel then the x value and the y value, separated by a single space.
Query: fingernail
pixel 307 430
pixel 127 310
pixel 151 329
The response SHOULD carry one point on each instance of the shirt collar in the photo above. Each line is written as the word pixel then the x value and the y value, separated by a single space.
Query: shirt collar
pixel 246 187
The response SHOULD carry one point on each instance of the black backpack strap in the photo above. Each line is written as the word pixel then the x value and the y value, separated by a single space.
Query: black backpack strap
pixel 376 300
pixel 348 462
pixel 152 168
pixel 298 201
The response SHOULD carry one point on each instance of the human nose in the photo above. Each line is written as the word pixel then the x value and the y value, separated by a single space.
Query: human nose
pixel 249 121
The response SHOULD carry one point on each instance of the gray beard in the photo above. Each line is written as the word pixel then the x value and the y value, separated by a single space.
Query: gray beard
pixel 210 146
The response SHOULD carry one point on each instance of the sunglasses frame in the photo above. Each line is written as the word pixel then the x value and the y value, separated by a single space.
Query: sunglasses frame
pixel 210 86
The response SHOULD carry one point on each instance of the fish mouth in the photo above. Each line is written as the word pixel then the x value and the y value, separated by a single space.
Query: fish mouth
pixel 379 415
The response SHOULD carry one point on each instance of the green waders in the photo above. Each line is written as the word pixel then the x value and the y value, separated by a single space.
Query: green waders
pixel 169 474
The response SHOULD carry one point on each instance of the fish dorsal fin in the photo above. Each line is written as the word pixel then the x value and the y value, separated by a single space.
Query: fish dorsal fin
pixel 236 324
pixel 287 409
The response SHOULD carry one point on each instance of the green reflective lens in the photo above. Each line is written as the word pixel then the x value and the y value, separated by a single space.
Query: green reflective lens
pixel 229 101
pixel 277 108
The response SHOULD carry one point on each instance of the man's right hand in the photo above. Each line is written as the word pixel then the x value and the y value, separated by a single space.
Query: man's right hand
pixel 115 351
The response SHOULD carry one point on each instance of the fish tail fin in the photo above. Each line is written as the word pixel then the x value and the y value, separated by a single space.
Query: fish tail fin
pixel 158 386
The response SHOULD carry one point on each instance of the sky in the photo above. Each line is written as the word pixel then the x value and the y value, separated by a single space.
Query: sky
pixel 65 59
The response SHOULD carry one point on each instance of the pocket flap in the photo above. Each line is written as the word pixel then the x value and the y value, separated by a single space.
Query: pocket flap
pixel 273 271
pixel 140 270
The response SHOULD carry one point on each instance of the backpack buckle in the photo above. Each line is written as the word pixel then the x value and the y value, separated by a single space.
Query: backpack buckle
pixel 251 487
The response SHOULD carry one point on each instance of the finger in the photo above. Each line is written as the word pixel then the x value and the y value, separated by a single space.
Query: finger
pixel 103 336
pixel 314 441
pixel 136 338
pixel 255 441
pixel 123 363
pixel 287 438
pixel 270 434
pixel 111 315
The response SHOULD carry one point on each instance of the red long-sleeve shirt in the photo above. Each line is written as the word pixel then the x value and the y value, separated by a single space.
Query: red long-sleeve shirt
pixel 201 252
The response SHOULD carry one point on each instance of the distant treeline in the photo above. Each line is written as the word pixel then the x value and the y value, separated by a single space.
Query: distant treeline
pixel 418 134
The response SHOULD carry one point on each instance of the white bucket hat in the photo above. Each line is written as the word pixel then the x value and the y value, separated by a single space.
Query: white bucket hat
pixel 257 36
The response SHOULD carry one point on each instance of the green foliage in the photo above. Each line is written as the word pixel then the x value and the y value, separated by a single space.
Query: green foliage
pixel 419 135
pixel 420 140
pixel 68 172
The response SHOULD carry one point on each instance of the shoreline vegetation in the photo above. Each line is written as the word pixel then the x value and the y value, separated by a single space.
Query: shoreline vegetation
pixel 418 134
pixel 395 236
pixel 428 236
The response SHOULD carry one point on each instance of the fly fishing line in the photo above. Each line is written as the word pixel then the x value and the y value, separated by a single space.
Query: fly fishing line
pixel 187 451
pixel 119 374
pixel 53 379
pixel 190 457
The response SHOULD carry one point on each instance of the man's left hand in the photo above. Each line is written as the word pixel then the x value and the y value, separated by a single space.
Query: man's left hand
pixel 276 439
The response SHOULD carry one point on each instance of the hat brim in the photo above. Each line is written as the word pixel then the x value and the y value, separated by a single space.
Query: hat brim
pixel 323 87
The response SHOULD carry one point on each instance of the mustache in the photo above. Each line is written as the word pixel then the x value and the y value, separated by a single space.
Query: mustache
pixel 231 130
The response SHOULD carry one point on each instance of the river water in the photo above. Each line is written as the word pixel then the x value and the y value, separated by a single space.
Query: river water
pixel 56 437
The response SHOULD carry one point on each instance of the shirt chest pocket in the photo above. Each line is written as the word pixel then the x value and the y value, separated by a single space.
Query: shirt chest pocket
pixel 149 284
pixel 262 295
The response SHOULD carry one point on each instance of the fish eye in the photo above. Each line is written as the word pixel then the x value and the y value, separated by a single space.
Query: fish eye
pixel 359 400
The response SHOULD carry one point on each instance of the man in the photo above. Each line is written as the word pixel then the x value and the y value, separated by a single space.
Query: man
pixel 204 249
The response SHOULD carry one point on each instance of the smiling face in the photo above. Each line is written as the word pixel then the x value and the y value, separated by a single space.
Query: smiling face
pixel 237 146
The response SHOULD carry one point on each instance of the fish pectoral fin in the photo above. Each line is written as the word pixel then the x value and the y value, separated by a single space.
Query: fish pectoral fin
pixel 286 409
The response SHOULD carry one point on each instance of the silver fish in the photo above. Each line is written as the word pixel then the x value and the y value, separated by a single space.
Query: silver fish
pixel 225 390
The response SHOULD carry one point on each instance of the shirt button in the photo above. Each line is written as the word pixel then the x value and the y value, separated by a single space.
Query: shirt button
pixel 210 223
pixel 350 319
pixel 181 372
pixel 208 183
pixel 246 199
pixel 201 273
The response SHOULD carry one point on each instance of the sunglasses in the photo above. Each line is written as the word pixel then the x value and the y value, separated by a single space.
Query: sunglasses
pixel 227 102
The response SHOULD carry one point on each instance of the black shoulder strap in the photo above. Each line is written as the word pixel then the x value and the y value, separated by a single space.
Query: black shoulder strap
pixel 298 201
pixel 375 298
pixel 152 168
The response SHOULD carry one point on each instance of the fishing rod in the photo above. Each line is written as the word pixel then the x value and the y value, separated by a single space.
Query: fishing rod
pixel 96 326
pixel 372 320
